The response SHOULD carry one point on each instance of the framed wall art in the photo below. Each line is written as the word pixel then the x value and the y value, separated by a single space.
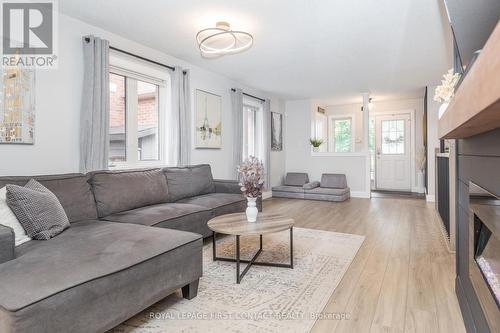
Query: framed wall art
pixel 208 115
pixel 276 131
pixel 17 106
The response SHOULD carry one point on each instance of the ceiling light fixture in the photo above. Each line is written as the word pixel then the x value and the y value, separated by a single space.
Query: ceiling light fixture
pixel 221 40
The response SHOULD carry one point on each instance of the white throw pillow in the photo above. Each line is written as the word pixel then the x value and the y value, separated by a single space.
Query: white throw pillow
pixel 7 218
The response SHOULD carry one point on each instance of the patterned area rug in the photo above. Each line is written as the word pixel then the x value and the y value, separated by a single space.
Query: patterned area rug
pixel 269 299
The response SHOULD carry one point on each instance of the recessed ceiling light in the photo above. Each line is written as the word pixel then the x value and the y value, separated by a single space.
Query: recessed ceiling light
pixel 221 40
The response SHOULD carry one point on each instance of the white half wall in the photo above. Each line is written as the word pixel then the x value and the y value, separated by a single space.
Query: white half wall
pixel 58 101
pixel 299 157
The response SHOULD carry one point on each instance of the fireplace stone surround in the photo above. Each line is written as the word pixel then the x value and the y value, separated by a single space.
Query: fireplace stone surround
pixel 484 252
pixel 478 161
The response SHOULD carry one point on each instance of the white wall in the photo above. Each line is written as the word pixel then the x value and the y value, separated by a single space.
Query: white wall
pixel 432 142
pixel 58 100
pixel 383 107
pixel 299 157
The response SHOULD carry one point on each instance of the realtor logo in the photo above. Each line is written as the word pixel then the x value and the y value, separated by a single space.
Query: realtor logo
pixel 29 31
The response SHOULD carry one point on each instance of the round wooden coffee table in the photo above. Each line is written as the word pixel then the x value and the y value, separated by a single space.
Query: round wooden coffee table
pixel 237 225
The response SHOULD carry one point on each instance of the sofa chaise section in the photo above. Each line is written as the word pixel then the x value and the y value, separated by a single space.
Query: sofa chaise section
pixel 94 276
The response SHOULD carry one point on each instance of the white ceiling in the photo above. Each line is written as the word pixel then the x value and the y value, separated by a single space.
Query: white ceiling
pixel 331 49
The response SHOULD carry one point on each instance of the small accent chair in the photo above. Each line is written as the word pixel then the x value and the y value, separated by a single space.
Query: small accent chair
pixel 293 186
pixel 333 187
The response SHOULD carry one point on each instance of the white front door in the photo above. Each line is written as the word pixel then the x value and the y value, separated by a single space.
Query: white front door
pixel 393 152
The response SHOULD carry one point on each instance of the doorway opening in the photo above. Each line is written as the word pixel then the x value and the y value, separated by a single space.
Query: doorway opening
pixel 391 145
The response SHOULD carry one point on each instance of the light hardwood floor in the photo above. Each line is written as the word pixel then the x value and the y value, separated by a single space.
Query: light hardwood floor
pixel 402 279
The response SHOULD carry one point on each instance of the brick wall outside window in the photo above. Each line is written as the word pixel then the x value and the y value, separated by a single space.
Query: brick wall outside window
pixel 146 112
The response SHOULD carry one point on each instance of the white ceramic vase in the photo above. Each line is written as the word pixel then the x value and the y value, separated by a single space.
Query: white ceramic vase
pixel 315 149
pixel 252 210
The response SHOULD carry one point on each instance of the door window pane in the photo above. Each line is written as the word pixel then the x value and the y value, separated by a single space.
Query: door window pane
pixel 147 121
pixel 343 136
pixel 117 116
pixel 393 136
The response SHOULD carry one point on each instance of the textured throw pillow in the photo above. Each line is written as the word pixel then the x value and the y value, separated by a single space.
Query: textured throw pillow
pixel 37 209
pixel 8 219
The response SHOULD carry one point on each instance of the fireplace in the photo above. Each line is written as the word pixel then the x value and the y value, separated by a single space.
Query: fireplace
pixel 484 251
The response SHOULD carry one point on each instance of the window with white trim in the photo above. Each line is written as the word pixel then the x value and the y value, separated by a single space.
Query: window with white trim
pixel 341 138
pixel 138 106
pixel 252 129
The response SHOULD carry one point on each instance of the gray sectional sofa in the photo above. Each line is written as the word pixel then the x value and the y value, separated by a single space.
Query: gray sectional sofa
pixel 135 237
pixel 333 187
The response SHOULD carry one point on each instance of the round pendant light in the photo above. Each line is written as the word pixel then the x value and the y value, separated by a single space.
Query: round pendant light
pixel 221 40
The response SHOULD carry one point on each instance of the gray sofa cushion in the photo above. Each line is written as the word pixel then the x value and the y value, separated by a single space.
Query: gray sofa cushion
pixel 286 188
pixel 189 181
pixel 332 180
pixel 219 203
pixel 179 216
pixel 37 209
pixel 311 185
pixel 100 304
pixel 86 251
pixel 118 191
pixel 72 190
pixel 296 178
pixel 328 191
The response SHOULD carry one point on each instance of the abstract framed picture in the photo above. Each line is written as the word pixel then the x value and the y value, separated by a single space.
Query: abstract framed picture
pixel 276 131
pixel 208 120
pixel 17 106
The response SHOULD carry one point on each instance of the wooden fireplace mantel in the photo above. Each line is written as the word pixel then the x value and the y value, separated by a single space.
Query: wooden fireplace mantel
pixel 475 108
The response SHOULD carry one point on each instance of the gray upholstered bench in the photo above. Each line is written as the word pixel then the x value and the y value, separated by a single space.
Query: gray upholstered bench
pixel 333 187
pixel 292 187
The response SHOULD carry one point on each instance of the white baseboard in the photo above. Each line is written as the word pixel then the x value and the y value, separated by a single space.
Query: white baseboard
pixel 267 195
pixel 430 198
pixel 418 189
pixel 360 194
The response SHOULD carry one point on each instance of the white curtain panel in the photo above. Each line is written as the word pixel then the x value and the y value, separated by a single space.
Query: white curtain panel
pixel 266 108
pixel 185 121
pixel 173 120
pixel 237 116
pixel 94 117
pixel 179 129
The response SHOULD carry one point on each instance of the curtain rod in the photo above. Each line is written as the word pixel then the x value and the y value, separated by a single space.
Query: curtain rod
pixel 248 95
pixel 87 39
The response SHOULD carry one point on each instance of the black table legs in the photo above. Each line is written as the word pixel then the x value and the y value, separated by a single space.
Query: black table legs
pixel 251 262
